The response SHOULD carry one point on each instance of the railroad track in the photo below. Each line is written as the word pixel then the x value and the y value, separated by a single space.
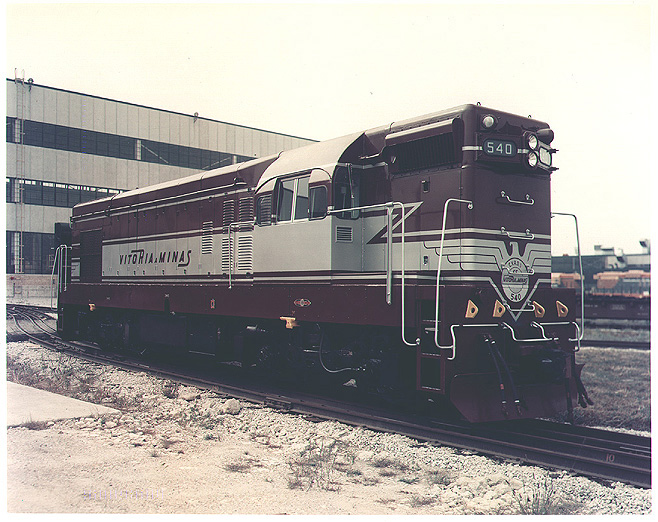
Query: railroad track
pixel 601 454
pixel 598 343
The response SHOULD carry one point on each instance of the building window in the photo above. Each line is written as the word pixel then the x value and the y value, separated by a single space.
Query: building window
pixel 39 134
pixel 38 252
pixel 35 192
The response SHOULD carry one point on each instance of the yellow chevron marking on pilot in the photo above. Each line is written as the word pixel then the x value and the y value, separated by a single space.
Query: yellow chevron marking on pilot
pixel 539 309
pixel 499 309
pixel 562 309
pixel 471 310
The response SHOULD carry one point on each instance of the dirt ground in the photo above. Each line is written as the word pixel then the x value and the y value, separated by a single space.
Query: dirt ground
pixel 184 450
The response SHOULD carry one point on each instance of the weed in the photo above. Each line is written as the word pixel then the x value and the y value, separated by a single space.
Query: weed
pixel 416 501
pixel 154 453
pixel 316 464
pixel 170 389
pixel 385 462
pixel 387 473
pixel 541 498
pixel 34 425
pixel 368 481
pixel 241 466
pixel 440 477
pixel 409 480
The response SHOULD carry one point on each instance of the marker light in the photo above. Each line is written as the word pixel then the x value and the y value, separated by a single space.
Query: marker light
pixel 545 157
pixel 488 122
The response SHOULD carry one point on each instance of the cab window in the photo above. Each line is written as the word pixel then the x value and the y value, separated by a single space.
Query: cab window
pixel 285 200
pixel 296 201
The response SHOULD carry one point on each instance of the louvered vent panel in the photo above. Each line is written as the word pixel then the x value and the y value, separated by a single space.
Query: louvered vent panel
pixel 425 153
pixel 228 214
pixel 246 253
pixel 343 234
pixel 246 210
pixel 227 253
pixel 206 237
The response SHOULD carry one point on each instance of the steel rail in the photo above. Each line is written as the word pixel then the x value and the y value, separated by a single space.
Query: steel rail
pixel 596 453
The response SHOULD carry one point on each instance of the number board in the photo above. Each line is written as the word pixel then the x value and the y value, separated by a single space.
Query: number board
pixel 501 148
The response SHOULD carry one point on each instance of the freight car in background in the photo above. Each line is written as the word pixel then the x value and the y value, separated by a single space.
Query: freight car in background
pixel 614 295
pixel 413 259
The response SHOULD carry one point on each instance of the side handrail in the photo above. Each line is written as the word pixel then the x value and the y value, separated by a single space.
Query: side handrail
pixel 390 206
pixel 60 262
pixel 438 273
pixel 581 330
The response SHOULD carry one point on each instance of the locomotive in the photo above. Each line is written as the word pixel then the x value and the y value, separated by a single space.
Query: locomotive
pixel 411 261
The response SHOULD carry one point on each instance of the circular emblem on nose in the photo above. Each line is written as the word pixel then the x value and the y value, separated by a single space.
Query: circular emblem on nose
pixel 302 303
pixel 515 279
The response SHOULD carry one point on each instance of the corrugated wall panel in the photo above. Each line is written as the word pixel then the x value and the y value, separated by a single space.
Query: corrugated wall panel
pixel 99 115
pixel 36 104
pixel 122 119
pixel 50 106
pixel 143 124
pixel 111 117
pixel 133 121
pixel 63 102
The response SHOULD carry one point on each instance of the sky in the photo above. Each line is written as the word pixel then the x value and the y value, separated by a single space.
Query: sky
pixel 322 70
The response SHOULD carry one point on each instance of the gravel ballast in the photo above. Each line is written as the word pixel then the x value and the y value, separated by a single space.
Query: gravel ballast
pixel 178 449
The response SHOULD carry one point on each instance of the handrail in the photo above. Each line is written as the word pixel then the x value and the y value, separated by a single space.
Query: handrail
pixel 60 261
pixel 389 252
pixel 438 273
pixel 454 341
pixel 578 337
pixel 581 329
pixel 526 236
pixel 528 199
pixel 538 340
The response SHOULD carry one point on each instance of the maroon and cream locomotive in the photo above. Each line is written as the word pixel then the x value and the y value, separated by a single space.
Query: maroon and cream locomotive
pixel 409 259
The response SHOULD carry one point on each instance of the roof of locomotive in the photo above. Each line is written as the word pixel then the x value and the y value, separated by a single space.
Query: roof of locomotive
pixel 255 173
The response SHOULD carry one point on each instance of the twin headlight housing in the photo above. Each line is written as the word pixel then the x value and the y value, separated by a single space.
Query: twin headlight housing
pixel 536 148
pixel 538 152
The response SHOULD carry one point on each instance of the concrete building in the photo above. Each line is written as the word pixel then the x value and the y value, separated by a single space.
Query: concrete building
pixel 65 147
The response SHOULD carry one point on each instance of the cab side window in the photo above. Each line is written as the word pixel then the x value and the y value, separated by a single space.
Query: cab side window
pixel 296 201
pixel 285 200
pixel 318 202
pixel 301 198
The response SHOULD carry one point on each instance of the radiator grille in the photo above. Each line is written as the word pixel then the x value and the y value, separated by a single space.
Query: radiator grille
pixel 425 153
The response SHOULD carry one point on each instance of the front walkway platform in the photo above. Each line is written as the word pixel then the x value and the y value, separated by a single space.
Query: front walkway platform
pixel 25 404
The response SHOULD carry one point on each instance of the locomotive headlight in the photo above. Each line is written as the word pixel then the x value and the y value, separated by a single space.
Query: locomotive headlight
pixel 488 121
pixel 532 159
pixel 545 157
pixel 532 141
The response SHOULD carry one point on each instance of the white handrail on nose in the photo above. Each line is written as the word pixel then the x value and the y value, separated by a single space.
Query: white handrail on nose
pixel 438 271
